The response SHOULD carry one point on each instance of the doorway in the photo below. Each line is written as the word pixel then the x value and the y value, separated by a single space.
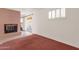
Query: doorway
pixel 26 25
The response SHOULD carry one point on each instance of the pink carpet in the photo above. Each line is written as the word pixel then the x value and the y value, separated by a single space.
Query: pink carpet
pixel 35 42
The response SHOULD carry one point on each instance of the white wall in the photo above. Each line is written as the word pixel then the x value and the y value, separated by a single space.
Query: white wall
pixel 63 29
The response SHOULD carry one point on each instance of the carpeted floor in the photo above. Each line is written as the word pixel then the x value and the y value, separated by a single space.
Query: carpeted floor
pixel 35 42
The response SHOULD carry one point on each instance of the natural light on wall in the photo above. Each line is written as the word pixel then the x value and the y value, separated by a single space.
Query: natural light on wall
pixel 57 13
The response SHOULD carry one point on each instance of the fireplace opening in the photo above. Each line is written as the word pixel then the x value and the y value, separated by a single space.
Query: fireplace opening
pixel 9 28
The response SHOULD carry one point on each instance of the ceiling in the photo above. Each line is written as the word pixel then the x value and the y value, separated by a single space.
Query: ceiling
pixel 26 11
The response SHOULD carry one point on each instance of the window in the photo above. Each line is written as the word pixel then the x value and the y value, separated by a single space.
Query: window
pixel 62 12
pixel 57 13
pixel 50 15
pixel 53 14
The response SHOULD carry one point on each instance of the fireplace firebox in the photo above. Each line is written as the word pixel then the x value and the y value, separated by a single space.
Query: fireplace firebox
pixel 9 28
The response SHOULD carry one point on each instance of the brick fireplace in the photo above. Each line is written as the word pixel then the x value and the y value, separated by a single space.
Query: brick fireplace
pixel 9 23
